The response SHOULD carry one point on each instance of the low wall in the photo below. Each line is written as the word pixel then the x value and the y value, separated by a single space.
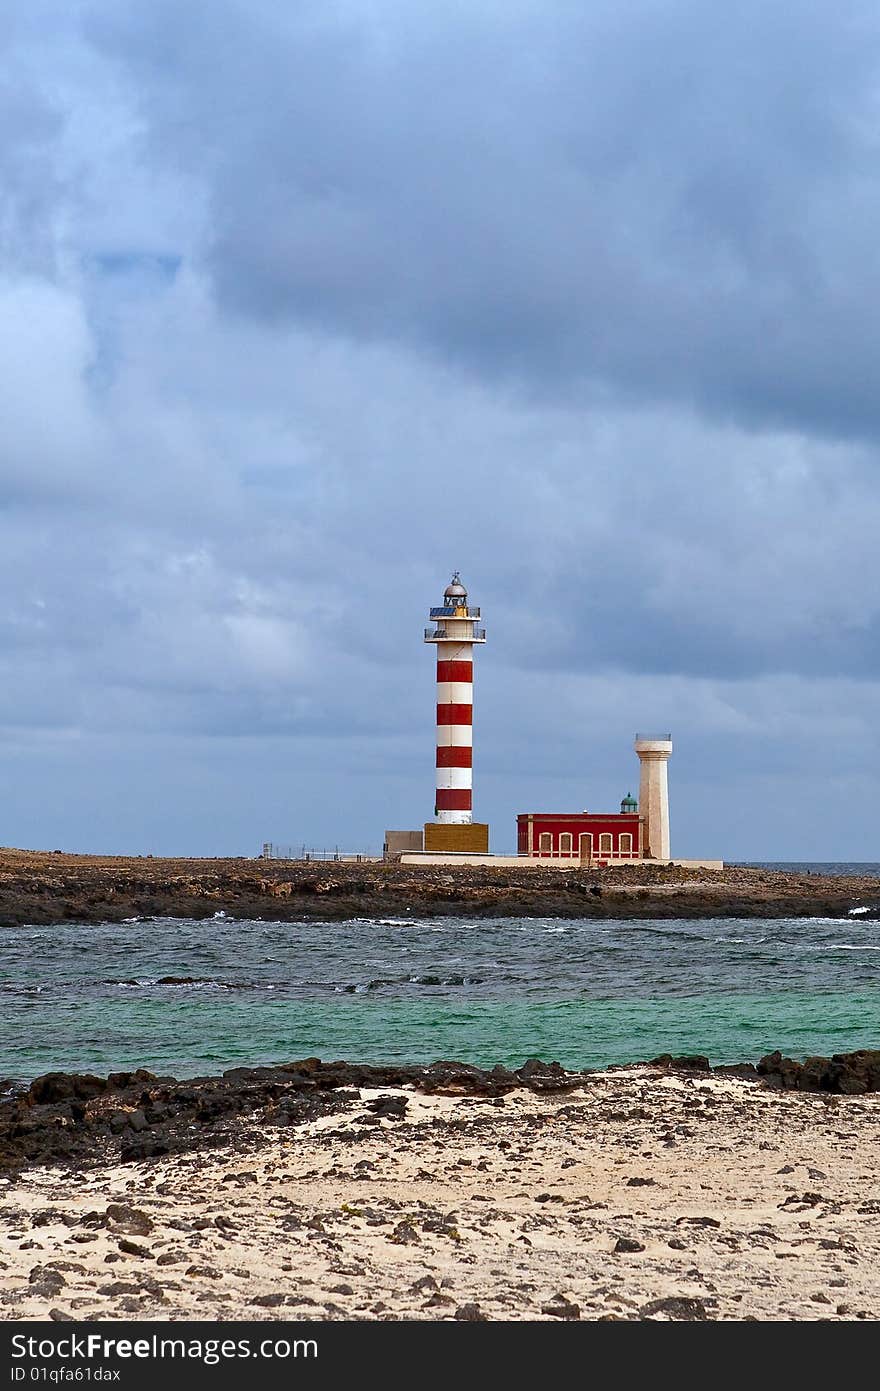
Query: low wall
pixel 403 842
pixel 533 862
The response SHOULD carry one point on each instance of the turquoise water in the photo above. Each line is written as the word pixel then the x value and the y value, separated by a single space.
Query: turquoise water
pixel 585 993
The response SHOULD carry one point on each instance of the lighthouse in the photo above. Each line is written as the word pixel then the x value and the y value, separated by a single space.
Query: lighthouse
pixel 455 631
pixel 654 751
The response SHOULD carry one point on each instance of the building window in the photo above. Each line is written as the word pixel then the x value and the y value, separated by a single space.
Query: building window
pixel 626 843
pixel 605 844
pixel 566 843
pixel 545 843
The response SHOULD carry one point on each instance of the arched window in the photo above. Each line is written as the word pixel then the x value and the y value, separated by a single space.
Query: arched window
pixel 626 843
pixel 566 843
pixel 545 843
pixel 605 843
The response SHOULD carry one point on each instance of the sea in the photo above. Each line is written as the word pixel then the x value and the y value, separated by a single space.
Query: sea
pixel 186 998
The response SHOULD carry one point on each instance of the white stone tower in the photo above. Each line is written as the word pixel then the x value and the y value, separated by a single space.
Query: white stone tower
pixel 653 751
pixel 455 633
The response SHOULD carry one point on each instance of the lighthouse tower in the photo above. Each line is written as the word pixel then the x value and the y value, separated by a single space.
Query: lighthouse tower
pixel 455 631
pixel 654 751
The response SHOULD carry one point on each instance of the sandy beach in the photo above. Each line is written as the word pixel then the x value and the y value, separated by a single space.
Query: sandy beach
pixel 639 1193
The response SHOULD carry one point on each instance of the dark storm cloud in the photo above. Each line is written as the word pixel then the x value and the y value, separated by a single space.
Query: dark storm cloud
pixel 667 201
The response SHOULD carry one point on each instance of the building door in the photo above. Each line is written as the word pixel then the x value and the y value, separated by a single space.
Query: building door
pixel 585 841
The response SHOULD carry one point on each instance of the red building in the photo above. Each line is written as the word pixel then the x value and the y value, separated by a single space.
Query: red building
pixel 587 837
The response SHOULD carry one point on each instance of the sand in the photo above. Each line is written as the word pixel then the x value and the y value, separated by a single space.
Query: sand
pixel 719 1198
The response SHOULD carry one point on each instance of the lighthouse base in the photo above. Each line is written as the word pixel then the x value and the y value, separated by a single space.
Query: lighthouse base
pixel 470 838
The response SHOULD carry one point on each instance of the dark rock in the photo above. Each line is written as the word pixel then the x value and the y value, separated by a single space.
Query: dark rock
pixel 696 1063
pixel 64 1086
pixel 534 1067
pixel 561 1308
pixel 131 1248
pixel 130 1220
pixel 393 1107
pixel 628 1244
pixel 119 1081
pixel 800 1204
pixel 143 1149
pixel 48 1280
pixel 674 1307
pixel 848 1074
pixel 423 1285
pixel 405 1234
pixel 470 1313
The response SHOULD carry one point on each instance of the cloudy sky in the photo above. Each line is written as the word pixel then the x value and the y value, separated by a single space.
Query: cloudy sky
pixel 304 305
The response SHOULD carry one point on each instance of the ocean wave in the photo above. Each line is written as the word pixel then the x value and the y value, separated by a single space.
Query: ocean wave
pixel 381 982
pixel 182 983
pixel 850 946
pixel 396 922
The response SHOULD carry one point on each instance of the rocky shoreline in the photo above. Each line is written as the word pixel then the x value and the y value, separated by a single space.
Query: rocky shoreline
pixel 79 1119
pixel 50 887
pixel 323 1191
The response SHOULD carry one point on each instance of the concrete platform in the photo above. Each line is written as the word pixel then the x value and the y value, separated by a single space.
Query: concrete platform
pixel 530 862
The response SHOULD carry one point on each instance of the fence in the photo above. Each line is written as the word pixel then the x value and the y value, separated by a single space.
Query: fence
pixel 271 851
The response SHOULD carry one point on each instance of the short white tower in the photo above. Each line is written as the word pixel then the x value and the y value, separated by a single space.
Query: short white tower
pixel 455 632
pixel 653 751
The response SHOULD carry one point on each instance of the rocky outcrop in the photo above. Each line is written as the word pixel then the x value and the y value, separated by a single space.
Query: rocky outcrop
pixel 79 1119
pixel 848 1074
pixel 40 887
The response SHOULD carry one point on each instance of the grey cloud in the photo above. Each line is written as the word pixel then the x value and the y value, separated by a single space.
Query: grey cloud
pixel 666 202
pixel 331 298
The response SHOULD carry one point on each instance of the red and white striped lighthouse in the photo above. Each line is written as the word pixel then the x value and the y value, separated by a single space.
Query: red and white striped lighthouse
pixel 455 632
